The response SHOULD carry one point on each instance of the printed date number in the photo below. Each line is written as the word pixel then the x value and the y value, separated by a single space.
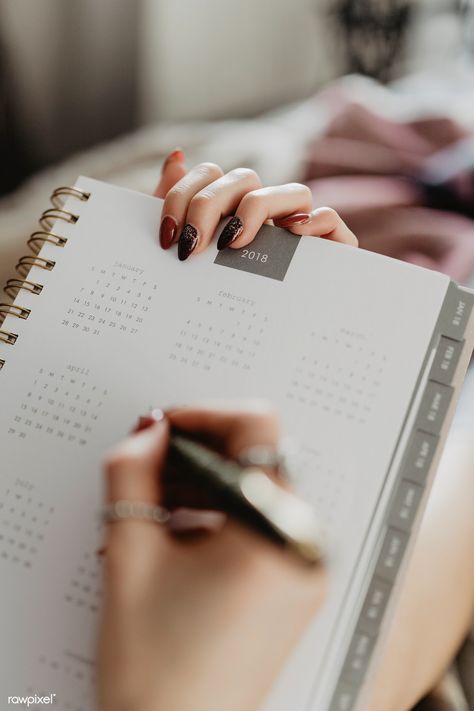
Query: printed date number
pixel 254 256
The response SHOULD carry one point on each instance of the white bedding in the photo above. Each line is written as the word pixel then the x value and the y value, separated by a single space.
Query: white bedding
pixel 273 144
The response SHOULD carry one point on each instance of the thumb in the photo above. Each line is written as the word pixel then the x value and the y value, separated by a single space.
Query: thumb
pixel 173 169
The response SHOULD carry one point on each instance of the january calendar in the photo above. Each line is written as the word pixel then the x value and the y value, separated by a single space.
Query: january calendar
pixel 361 355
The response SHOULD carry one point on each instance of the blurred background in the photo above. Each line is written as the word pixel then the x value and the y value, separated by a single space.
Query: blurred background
pixel 370 102
pixel 73 74
pixel 359 98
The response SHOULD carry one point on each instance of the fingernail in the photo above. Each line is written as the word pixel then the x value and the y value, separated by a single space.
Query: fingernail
pixel 177 154
pixel 157 414
pixel 231 231
pixel 146 421
pixel 299 218
pixel 168 231
pixel 101 551
pixel 184 520
pixel 187 242
pixel 143 423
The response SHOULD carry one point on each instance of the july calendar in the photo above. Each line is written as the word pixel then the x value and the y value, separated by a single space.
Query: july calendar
pixel 362 356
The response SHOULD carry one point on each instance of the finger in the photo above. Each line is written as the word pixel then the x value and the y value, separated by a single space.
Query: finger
pixel 322 222
pixel 173 169
pixel 132 545
pixel 208 206
pixel 175 206
pixel 132 468
pixel 187 521
pixel 244 424
pixel 257 206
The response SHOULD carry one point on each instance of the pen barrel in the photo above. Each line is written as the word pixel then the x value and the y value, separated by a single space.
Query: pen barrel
pixel 198 477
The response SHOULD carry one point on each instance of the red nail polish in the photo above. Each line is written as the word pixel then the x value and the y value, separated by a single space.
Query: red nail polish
pixel 299 218
pixel 146 421
pixel 143 423
pixel 101 552
pixel 168 229
pixel 175 155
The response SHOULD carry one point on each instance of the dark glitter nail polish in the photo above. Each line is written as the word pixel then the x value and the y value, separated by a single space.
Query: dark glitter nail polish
pixel 187 242
pixel 167 232
pixel 231 231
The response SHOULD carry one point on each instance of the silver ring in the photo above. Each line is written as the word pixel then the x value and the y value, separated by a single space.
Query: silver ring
pixel 136 510
pixel 279 457
pixel 260 455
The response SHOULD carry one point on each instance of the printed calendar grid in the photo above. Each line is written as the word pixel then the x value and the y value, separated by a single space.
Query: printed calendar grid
pixel 339 374
pixel 220 331
pixel 24 521
pixel 63 404
pixel 113 299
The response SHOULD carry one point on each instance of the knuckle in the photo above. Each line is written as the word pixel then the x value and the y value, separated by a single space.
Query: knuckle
pixel 301 189
pixel 257 420
pixel 247 174
pixel 119 459
pixel 252 199
pixel 307 192
pixel 176 192
pixel 201 200
pixel 329 212
pixel 175 198
pixel 330 216
pixel 261 407
pixel 211 170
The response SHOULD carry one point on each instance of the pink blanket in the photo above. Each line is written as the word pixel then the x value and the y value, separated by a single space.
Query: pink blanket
pixel 374 172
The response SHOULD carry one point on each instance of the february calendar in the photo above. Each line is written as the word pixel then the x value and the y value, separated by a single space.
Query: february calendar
pixel 362 356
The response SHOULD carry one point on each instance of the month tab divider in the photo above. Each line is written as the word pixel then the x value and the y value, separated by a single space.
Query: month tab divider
pixel 410 493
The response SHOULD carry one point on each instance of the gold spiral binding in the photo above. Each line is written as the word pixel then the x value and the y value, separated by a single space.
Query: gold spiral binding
pixel 38 239
pixel 8 337
pixel 26 263
pixel 13 286
pixel 66 191
pixel 35 243
pixel 14 310
pixel 50 216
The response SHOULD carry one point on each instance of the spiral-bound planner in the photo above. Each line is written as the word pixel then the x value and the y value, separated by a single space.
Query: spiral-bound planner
pixel 362 355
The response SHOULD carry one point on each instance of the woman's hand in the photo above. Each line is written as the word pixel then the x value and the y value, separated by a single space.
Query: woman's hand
pixel 195 201
pixel 201 623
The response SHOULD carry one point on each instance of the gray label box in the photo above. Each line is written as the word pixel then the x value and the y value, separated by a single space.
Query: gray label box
pixel 344 699
pixel 375 604
pixel 446 360
pixel 434 407
pixel 420 456
pixel 269 255
pixel 456 311
pixel 358 658
pixel 405 505
pixel 391 555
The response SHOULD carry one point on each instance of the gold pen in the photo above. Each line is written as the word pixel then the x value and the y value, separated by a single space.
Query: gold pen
pixel 198 477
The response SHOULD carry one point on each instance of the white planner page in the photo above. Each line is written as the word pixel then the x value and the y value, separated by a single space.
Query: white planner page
pixel 122 326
